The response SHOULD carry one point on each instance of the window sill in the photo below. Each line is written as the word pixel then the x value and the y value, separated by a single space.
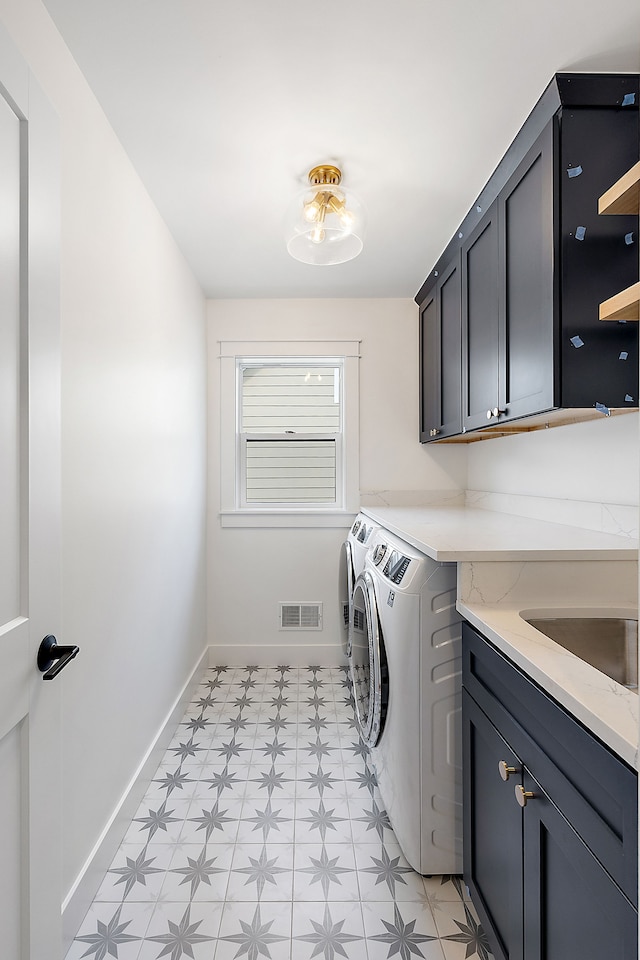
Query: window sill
pixel 286 518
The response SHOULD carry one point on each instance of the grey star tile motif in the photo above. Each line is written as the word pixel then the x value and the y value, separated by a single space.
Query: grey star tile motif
pixel 254 938
pixel 366 780
pixel 315 684
pixel 316 723
pixel 174 781
pixel 231 750
pixel 275 749
pixel 323 820
pixel 107 938
pixel 248 683
pixel 271 780
pixel 204 702
pixel 136 871
pixel 261 870
pixel 359 749
pixel 180 938
pixel 157 819
pixel 471 934
pixel 387 870
pixel 267 820
pixel 320 780
pixel 325 871
pixel 237 723
pixel 282 684
pixel 198 870
pixel 186 750
pixel 244 701
pixel 213 819
pixel 198 723
pixel 328 937
pixel 225 780
pixel 278 723
pixel 402 937
pixel 279 701
pixel 375 819
pixel 320 749
pixel 315 702
pixel 214 683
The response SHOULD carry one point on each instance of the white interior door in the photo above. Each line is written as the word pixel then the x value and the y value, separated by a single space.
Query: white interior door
pixel 30 855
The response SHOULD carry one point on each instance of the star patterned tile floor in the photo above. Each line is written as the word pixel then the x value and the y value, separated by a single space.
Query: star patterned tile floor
pixel 263 836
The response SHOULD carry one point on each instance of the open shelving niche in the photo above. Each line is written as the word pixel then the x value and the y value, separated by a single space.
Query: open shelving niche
pixel 622 198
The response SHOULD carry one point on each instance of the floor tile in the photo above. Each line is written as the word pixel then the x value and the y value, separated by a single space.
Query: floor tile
pixel 328 930
pixel 263 835
pixel 325 871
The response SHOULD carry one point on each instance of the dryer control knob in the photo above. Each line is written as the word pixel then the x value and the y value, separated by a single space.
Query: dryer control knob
pixel 378 553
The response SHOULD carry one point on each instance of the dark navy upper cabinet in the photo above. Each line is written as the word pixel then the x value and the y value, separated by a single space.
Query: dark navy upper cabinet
pixel 440 372
pixel 550 822
pixel 535 262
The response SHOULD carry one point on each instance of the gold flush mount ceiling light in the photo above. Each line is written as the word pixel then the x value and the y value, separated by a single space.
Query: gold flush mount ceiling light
pixel 325 223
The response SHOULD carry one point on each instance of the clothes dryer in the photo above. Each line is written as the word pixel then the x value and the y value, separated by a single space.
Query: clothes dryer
pixel 352 557
pixel 406 675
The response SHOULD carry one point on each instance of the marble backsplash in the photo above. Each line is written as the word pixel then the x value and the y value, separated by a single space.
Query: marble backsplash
pixel 621 519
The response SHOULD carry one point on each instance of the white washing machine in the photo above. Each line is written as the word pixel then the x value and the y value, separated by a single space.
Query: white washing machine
pixel 406 675
pixel 352 557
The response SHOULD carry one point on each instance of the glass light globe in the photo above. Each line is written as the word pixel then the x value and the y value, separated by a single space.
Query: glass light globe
pixel 324 225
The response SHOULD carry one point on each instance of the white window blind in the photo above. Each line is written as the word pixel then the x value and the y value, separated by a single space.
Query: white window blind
pixel 290 430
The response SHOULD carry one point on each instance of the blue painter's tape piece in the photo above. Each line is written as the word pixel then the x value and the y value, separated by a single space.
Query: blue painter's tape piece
pixel 628 100
pixel 580 233
pixel 577 341
pixel 574 171
pixel 600 407
pixel 629 238
pixel 623 356
pixel 628 398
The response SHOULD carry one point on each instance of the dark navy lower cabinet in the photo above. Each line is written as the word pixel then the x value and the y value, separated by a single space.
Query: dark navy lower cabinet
pixel 550 821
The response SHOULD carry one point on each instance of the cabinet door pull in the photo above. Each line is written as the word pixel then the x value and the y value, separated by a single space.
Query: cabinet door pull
pixel 522 795
pixel 505 770
pixel 489 414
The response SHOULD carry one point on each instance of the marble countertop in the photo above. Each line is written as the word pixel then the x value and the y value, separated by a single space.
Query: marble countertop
pixel 508 565
pixel 455 534
pixel 608 709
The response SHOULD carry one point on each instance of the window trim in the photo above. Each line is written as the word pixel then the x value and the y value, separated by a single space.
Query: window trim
pixel 232 510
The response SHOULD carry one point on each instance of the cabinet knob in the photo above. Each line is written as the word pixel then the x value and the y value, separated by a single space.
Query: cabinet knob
pixel 497 411
pixel 433 432
pixel 522 795
pixel 489 414
pixel 505 770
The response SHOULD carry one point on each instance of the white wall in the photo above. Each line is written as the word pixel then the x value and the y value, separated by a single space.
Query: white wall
pixel 302 565
pixel 133 451
pixel 584 473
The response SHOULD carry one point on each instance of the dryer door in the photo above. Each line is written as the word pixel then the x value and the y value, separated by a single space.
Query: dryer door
pixel 368 662
pixel 346 583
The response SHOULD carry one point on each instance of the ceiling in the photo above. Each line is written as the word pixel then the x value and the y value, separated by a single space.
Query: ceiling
pixel 224 105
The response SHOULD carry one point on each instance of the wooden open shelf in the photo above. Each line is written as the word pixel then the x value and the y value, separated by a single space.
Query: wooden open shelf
pixel 623 198
pixel 624 195
pixel 624 306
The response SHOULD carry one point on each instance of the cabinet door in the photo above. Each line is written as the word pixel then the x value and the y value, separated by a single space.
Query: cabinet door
pixel 573 910
pixel 526 290
pixel 480 323
pixel 440 367
pixel 492 825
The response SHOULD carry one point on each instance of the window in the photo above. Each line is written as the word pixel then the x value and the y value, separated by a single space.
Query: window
pixel 294 438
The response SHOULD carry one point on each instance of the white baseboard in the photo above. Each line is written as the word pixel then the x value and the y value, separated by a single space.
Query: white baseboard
pixel 85 887
pixel 272 655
